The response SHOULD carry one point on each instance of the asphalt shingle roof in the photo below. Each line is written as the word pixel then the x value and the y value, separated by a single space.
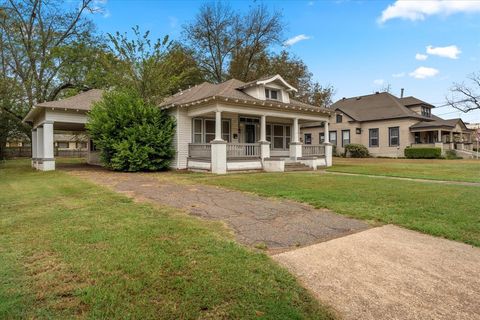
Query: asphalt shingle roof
pixel 377 106
pixel 81 101
pixel 228 89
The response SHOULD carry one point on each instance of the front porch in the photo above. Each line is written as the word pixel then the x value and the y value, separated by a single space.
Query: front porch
pixel 227 141
pixel 445 139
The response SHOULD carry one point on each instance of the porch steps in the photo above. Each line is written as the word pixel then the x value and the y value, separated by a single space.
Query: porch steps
pixel 296 166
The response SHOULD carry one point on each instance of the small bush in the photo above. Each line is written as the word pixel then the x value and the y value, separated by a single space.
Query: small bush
pixel 423 153
pixel 132 135
pixel 451 155
pixel 355 150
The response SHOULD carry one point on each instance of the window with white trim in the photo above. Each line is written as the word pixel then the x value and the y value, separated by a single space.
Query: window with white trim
pixel 333 137
pixel 373 137
pixel 345 137
pixel 394 136
pixel 272 94
pixel 204 130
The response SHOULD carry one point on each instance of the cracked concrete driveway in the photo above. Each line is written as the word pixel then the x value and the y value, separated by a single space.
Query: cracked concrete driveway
pixel 391 273
pixel 278 224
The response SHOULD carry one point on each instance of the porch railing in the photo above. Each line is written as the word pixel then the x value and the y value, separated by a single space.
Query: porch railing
pixel 243 150
pixel 313 150
pixel 199 150
pixel 423 145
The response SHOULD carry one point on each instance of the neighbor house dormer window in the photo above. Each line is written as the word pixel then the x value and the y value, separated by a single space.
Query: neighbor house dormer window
pixel 271 94
pixel 426 112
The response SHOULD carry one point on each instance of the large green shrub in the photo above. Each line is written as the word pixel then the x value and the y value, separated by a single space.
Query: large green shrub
pixel 423 153
pixel 131 134
pixel 355 150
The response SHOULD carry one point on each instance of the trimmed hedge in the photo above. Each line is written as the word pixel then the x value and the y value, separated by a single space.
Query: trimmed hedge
pixel 423 153
pixel 355 150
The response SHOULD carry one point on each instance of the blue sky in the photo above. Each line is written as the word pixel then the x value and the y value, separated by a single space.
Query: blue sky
pixel 347 43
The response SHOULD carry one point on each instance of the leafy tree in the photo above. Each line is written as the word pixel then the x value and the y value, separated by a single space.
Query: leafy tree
pixel 33 35
pixel 131 134
pixel 466 97
pixel 154 69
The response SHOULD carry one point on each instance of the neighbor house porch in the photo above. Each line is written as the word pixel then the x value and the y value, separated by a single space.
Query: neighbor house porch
pixel 443 138
pixel 240 139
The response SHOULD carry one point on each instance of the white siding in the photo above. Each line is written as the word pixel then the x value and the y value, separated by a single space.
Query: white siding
pixel 183 136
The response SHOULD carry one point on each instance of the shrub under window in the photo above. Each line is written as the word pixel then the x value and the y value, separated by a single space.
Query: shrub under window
pixel 131 134
pixel 355 150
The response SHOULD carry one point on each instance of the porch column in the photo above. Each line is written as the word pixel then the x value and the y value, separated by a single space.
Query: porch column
pixel 439 143
pixel 328 145
pixel 264 144
pixel 219 147
pixel 326 136
pixel 48 161
pixel 295 145
pixel 34 148
pixel 460 145
pixel 218 125
pixel 39 148
pixel 452 145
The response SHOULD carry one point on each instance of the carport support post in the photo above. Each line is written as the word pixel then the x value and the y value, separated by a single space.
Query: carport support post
pixel 34 148
pixel 48 157
pixel 295 145
pixel 39 152
pixel 219 147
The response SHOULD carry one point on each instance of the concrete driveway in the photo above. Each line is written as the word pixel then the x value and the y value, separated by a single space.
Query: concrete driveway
pixel 256 221
pixel 391 273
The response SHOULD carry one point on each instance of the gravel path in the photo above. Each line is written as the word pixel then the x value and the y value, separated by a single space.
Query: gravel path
pixel 277 224
pixel 391 273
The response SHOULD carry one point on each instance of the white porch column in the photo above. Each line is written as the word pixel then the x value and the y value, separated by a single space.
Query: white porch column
pixel 39 147
pixel 264 144
pixel 48 161
pixel 218 125
pixel 34 148
pixel 219 147
pixel 452 145
pixel 327 133
pixel 328 146
pixel 439 138
pixel 295 145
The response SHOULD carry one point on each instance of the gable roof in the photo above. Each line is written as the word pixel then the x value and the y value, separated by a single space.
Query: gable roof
pixel 412 101
pixel 377 106
pixel 267 79
pixel 231 89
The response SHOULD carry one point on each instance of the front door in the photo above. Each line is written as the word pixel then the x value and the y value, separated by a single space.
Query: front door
pixel 250 133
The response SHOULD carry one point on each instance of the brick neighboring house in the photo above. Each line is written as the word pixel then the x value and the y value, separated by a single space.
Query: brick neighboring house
pixel 386 125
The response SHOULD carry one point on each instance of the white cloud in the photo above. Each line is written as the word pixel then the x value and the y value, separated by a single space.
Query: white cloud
pixel 421 57
pixel 423 73
pixel 398 75
pixel 420 10
pixel 378 82
pixel 451 52
pixel 292 41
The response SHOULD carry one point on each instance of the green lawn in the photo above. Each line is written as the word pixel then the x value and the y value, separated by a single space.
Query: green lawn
pixel 449 211
pixel 453 170
pixel 70 249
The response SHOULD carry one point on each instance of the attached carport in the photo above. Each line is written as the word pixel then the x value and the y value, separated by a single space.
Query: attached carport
pixel 68 114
